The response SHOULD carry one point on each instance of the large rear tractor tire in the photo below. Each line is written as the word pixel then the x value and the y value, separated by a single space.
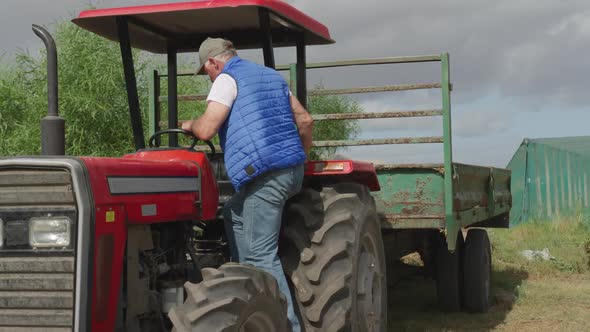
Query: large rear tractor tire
pixel 232 298
pixel 332 251
pixel 477 269
pixel 448 273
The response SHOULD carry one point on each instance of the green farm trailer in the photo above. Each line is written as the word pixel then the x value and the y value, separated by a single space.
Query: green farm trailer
pixel 437 209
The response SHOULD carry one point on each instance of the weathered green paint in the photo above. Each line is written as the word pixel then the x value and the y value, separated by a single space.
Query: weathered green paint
pixel 410 192
pixel 293 78
pixel 550 179
pixel 405 222
pixel 153 123
pixel 452 225
pixel 413 197
pixel 478 214
pixel 392 167
pixel 482 191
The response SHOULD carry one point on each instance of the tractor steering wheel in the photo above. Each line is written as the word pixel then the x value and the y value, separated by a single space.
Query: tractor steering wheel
pixel 180 131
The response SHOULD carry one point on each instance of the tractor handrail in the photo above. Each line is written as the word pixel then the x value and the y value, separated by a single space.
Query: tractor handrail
pixel 346 63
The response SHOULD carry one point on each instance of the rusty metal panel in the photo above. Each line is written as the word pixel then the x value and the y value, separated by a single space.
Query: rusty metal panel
pixel 393 221
pixel 410 193
pixel 372 89
pixel 391 167
pixel 383 115
pixel 413 197
pixel 380 141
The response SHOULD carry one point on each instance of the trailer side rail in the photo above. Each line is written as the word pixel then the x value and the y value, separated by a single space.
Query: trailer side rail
pixel 449 219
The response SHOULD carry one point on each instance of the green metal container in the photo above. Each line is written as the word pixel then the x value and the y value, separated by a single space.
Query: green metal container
pixel 550 179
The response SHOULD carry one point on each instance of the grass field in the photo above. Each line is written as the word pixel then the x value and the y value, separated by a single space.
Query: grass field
pixel 551 295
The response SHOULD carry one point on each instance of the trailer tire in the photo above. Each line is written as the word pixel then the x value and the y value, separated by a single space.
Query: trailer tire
pixel 448 274
pixel 477 260
pixel 234 297
pixel 332 252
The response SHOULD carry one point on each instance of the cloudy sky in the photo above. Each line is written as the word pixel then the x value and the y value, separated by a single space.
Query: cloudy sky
pixel 520 68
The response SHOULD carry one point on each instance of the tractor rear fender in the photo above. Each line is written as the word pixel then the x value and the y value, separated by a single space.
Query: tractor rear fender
pixel 332 171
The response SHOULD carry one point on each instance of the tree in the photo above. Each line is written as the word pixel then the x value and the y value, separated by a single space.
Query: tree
pixel 332 129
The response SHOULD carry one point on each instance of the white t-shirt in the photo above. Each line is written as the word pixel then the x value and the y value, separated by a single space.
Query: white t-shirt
pixel 224 90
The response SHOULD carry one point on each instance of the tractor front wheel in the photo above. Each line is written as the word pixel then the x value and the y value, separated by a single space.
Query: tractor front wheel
pixel 232 298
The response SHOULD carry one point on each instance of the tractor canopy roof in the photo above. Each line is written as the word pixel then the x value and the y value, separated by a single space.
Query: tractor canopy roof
pixel 183 26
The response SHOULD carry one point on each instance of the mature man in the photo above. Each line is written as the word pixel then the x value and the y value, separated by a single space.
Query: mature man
pixel 265 134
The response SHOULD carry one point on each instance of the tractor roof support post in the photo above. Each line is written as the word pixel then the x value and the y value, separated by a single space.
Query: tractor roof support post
pixel 172 95
pixel 301 71
pixel 130 82
pixel 264 19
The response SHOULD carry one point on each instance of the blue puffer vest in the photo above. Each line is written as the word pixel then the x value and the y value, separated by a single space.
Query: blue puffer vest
pixel 259 134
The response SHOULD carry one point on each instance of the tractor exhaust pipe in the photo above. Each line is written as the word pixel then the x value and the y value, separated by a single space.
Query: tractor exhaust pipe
pixel 53 135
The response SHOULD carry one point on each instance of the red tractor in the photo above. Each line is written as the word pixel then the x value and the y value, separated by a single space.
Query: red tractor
pixel 136 243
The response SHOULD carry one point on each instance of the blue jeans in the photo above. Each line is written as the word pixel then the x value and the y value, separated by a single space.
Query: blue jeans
pixel 253 222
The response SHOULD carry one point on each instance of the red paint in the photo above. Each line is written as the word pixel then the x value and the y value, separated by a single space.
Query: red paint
pixel 354 171
pixel 278 7
pixel 209 195
pixel 104 305
pixel 127 210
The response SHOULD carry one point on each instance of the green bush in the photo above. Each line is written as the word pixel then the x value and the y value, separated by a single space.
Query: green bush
pixel 92 96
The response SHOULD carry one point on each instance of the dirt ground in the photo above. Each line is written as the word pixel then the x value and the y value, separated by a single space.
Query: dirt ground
pixel 522 303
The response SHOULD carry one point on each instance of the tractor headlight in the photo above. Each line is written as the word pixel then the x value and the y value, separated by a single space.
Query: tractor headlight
pixel 49 232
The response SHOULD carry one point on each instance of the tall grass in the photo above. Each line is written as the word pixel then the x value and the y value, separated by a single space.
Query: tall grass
pixel 566 238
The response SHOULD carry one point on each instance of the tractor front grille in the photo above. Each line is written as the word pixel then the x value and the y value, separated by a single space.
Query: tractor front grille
pixel 36 292
pixel 37 285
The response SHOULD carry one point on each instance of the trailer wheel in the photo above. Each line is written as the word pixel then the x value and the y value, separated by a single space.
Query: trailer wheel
pixel 448 274
pixel 234 297
pixel 332 250
pixel 477 260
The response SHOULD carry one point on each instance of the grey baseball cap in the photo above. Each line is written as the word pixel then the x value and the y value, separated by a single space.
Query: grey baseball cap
pixel 210 48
